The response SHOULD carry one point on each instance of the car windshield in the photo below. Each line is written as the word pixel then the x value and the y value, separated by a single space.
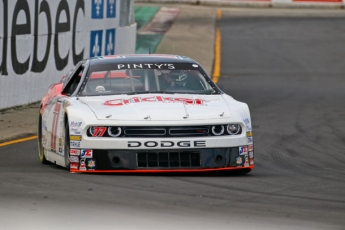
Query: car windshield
pixel 136 81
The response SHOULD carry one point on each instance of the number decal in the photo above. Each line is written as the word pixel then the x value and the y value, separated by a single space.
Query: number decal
pixel 99 131
pixel 55 125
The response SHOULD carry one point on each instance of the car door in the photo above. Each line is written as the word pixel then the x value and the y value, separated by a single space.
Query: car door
pixel 55 124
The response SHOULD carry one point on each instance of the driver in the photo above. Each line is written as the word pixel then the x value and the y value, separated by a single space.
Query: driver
pixel 100 89
pixel 166 80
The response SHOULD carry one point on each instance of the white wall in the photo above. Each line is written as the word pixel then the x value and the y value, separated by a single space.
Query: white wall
pixel 40 41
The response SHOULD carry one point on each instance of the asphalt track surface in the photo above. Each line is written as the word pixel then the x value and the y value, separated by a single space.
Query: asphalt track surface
pixel 291 72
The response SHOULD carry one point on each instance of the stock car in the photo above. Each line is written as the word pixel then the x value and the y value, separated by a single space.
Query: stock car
pixel 143 113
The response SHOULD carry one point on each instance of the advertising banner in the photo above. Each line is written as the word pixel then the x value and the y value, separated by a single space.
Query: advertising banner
pixel 41 40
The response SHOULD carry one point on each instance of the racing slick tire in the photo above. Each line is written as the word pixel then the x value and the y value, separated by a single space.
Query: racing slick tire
pixel 41 154
pixel 67 147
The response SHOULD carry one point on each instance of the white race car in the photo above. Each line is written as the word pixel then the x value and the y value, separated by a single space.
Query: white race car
pixel 143 113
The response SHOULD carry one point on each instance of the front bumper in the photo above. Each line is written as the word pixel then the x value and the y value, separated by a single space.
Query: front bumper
pixel 162 160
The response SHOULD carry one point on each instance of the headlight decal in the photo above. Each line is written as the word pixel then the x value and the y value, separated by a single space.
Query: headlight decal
pixel 97 131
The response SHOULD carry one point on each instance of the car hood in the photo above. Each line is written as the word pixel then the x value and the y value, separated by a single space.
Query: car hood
pixel 157 107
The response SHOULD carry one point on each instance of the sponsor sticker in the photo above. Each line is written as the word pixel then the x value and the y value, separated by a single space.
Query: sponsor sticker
pixel 75 138
pixel 73 165
pixel 75 144
pixel 75 123
pixel 74 152
pixel 86 153
pixel 251 154
pixel 82 165
pixel 252 162
pixel 246 121
pixel 249 128
pixel 74 159
pixel 249 134
pixel 161 99
pixel 250 148
pixel 239 161
pixel 91 164
pixel 75 131
pixel 144 66
pixel 250 140
pixel 243 150
pixel 246 162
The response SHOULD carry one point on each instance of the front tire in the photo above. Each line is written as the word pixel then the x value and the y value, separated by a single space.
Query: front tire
pixel 41 154
pixel 67 146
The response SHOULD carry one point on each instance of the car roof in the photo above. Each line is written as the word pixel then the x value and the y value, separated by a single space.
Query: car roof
pixel 140 58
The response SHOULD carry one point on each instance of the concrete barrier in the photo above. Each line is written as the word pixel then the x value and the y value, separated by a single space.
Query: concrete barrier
pixel 41 40
pixel 259 3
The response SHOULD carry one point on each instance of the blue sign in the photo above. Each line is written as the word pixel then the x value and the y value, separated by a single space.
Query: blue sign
pixel 111 8
pixel 109 48
pixel 96 38
pixel 97 8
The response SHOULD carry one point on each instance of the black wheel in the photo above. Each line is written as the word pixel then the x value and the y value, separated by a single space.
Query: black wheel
pixel 41 155
pixel 67 146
